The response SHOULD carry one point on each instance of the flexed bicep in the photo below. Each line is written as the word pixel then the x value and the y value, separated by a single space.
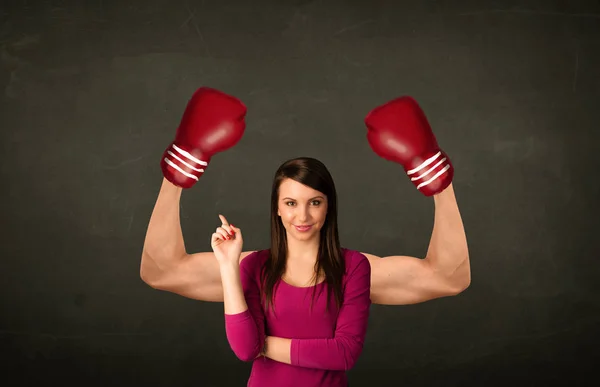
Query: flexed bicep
pixel 196 276
pixel 403 280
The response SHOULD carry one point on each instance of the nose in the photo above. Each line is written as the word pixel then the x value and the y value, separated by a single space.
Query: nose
pixel 303 214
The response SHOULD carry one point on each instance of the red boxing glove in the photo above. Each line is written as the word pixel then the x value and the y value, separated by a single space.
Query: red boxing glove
pixel 212 122
pixel 398 131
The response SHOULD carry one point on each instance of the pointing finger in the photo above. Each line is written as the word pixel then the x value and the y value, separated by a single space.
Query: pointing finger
pixel 223 220
pixel 226 226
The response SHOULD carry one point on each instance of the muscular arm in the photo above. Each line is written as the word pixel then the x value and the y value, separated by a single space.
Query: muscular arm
pixel 445 270
pixel 166 265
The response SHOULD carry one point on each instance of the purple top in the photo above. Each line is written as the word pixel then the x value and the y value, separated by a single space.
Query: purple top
pixel 324 345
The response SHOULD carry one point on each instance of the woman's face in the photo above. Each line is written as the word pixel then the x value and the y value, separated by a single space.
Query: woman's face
pixel 302 209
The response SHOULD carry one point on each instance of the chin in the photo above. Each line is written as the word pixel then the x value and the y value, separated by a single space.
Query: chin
pixel 305 237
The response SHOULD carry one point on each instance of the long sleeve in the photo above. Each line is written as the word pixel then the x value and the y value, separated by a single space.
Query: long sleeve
pixel 342 351
pixel 246 330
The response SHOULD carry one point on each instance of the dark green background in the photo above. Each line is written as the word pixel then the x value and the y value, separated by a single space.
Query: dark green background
pixel 91 94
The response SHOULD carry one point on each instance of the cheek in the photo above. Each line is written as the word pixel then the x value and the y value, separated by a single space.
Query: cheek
pixel 285 215
pixel 321 214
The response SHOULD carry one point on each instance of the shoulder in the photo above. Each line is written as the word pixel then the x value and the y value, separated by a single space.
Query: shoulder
pixel 357 280
pixel 253 260
pixel 356 262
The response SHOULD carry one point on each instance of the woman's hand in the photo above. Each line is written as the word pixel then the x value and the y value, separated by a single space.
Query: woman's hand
pixel 227 243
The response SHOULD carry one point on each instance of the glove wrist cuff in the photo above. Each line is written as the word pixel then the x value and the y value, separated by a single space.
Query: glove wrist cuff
pixel 181 167
pixel 432 174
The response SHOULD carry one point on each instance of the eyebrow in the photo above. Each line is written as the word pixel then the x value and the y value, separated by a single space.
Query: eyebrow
pixel 316 197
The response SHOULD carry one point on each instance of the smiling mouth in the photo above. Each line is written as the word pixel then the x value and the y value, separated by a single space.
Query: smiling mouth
pixel 303 228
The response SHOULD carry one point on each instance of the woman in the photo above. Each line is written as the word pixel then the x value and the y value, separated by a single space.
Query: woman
pixel 302 263
pixel 298 310
pixel 398 131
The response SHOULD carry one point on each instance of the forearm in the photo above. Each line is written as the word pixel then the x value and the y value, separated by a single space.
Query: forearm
pixel 278 349
pixel 164 244
pixel 233 293
pixel 243 333
pixel 338 354
pixel 448 252
pixel 341 351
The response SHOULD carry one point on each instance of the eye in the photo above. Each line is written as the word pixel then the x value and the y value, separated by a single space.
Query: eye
pixel 316 202
pixel 288 203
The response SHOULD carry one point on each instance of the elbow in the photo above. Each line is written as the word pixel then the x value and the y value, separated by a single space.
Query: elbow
pixel 246 350
pixel 246 355
pixel 460 286
pixel 349 365
pixel 148 280
pixel 350 362
pixel 247 358
pixel 465 282
pixel 149 272
pixel 461 278
pixel 144 274
pixel 352 356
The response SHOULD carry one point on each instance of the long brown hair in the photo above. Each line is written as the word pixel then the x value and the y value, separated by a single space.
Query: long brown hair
pixel 330 262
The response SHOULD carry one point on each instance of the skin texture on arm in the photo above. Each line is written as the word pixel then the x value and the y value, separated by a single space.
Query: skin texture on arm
pixel 445 271
pixel 278 349
pixel 165 264
pixel 163 246
pixel 395 280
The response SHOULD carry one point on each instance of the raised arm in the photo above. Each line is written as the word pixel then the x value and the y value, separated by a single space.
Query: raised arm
pixel 165 264
pixel 398 131
pixel 342 351
pixel 445 270
pixel 212 122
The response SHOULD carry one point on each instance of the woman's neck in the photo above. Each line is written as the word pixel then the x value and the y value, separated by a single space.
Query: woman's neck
pixel 302 251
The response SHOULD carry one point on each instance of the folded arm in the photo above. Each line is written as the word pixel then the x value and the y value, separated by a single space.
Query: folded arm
pixel 445 270
pixel 244 319
pixel 342 351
